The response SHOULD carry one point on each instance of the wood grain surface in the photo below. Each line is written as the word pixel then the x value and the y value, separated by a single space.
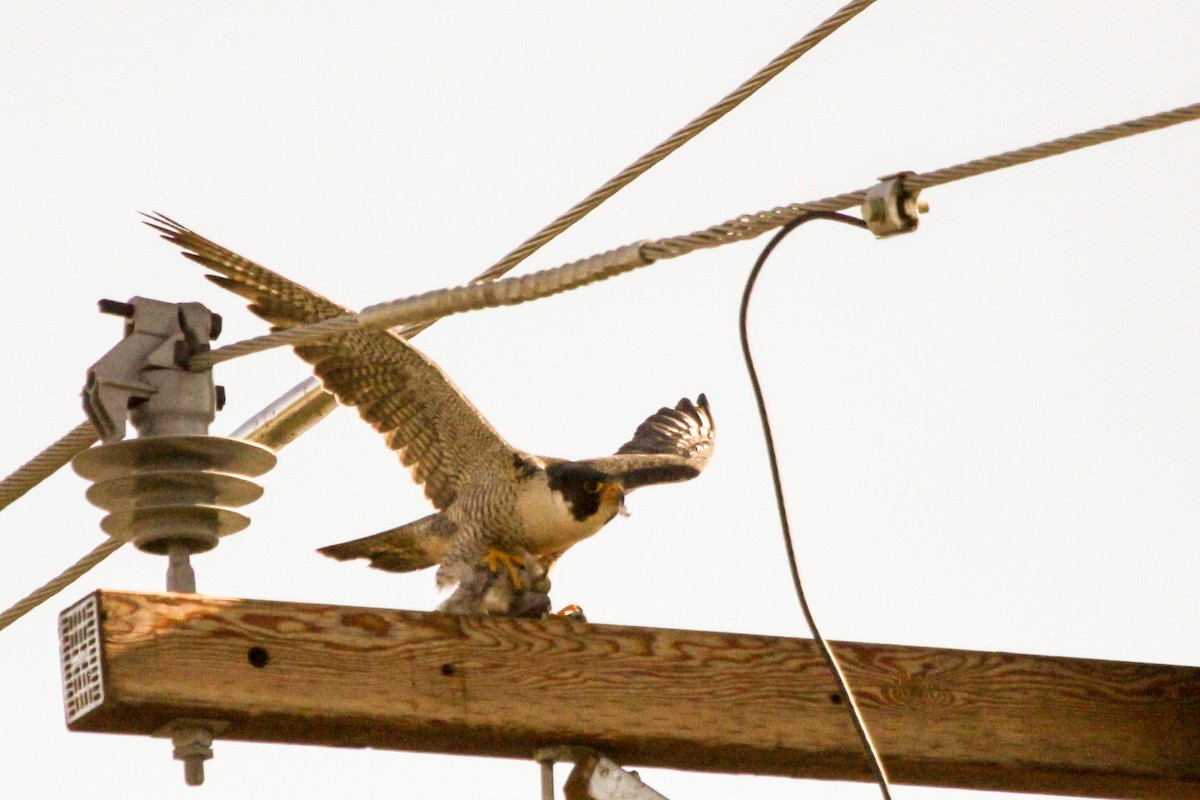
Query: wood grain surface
pixel 362 677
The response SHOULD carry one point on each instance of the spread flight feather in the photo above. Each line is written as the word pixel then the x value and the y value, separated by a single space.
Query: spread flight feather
pixel 448 446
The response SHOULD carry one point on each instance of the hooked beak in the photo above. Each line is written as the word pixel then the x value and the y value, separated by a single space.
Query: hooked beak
pixel 615 492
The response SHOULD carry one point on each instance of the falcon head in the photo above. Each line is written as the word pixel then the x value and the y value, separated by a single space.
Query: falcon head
pixel 588 493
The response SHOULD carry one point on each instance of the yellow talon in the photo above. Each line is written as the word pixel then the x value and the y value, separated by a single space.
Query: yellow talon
pixel 497 558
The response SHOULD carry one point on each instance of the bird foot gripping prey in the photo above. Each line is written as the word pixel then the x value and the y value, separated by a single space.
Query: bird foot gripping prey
pixel 498 558
pixel 521 589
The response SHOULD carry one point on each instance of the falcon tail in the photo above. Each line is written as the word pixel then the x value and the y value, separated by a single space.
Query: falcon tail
pixel 414 546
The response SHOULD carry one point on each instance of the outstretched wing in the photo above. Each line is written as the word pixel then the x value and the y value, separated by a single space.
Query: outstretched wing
pixel 671 445
pixel 423 416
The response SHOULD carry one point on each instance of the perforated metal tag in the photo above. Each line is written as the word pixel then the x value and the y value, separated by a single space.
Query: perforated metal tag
pixel 79 649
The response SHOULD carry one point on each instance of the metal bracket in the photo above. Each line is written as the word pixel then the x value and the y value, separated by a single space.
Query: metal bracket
pixel 598 778
pixel 547 757
pixel 145 378
pixel 593 778
pixel 891 208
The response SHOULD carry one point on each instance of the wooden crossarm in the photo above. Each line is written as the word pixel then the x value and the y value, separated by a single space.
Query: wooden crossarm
pixel 364 677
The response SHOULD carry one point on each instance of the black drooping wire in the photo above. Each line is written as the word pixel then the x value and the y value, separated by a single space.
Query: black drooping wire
pixel 834 668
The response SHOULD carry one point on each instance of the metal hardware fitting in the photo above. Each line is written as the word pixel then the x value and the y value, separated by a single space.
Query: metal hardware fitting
pixel 593 778
pixel 79 658
pixel 170 490
pixel 192 740
pixel 891 208
pixel 598 778
pixel 145 379
pixel 547 757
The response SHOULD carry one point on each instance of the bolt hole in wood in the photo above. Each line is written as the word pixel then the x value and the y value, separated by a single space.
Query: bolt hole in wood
pixel 447 670
pixel 836 699
pixel 258 657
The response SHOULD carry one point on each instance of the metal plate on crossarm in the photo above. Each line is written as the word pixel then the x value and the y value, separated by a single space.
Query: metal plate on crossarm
pixel 80 658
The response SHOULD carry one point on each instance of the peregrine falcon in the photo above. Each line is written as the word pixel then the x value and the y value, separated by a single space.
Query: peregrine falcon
pixel 497 506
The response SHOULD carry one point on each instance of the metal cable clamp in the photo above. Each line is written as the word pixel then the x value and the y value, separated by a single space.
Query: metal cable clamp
pixel 891 207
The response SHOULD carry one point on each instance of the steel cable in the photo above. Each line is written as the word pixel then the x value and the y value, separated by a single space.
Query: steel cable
pixel 510 291
pixel 677 139
pixel 16 485
pixel 46 463
pixel 749 226
pixel 29 475
pixel 62 581
pixel 307 403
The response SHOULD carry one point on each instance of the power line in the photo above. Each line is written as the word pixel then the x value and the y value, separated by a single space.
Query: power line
pixel 46 463
pixel 421 308
pixel 749 226
pixel 511 291
pixel 29 475
pixel 307 403
pixel 60 582
pixel 677 139
pixel 314 404
pixel 835 669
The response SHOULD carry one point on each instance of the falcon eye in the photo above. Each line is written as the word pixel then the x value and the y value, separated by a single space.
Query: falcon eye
pixel 593 487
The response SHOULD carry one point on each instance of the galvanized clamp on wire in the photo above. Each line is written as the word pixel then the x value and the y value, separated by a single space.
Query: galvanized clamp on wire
pixel 892 207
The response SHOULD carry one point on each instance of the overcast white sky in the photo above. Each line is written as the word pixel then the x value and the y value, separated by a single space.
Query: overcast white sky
pixel 988 429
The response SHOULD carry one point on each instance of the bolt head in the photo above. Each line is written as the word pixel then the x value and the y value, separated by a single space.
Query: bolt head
pixel 116 308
